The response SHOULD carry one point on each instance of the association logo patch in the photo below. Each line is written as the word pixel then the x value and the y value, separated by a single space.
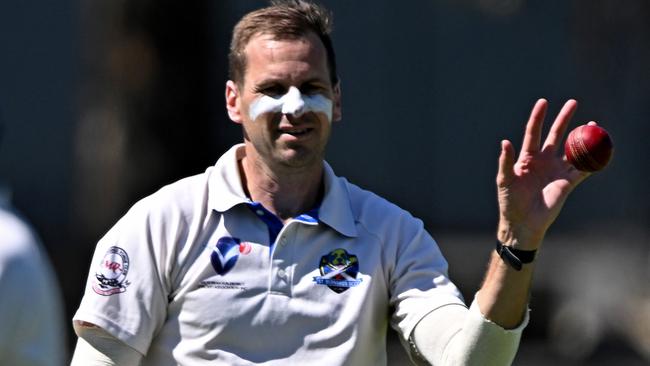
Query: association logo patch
pixel 225 253
pixel 338 270
pixel 110 277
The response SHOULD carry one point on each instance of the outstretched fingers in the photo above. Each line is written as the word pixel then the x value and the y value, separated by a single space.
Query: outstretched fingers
pixel 533 134
pixel 559 127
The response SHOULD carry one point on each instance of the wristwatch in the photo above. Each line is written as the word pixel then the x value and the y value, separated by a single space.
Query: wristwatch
pixel 515 257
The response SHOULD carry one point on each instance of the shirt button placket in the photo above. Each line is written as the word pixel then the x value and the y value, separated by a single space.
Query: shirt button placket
pixel 282 261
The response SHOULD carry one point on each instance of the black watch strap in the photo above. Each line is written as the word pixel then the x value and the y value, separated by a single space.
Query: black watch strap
pixel 515 257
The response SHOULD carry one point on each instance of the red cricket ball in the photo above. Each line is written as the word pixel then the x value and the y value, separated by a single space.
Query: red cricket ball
pixel 588 148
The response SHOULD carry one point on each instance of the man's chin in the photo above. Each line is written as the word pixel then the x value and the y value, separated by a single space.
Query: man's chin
pixel 299 158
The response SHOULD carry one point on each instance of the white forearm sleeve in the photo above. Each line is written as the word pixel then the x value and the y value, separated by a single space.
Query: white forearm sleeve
pixel 453 335
pixel 96 347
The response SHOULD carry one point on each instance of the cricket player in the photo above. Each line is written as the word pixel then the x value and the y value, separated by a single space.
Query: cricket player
pixel 269 257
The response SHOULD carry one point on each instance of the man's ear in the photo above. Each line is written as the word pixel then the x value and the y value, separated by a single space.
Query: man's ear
pixel 233 102
pixel 337 113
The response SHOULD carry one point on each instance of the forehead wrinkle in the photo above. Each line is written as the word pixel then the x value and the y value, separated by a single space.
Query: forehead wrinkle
pixel 286 59
pixel 272 44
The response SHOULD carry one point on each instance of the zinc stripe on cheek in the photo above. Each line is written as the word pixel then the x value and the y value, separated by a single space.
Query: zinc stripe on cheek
pixel 293 102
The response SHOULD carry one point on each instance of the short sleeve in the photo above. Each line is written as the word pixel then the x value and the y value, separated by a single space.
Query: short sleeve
pixel 419 280
pixel 126 291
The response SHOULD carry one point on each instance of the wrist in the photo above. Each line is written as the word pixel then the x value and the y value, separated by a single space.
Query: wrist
pixel 518 238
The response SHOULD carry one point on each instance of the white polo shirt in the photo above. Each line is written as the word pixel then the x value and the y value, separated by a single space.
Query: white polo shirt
pixel 198 274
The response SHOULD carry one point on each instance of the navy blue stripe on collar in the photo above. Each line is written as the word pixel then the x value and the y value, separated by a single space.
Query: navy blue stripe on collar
pixel 274 224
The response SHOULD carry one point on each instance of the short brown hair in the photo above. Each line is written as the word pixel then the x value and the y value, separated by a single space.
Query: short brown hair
pixel 284 20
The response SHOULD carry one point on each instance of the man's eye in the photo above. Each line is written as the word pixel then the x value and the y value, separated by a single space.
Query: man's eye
pixel 311 89
pixel 272 90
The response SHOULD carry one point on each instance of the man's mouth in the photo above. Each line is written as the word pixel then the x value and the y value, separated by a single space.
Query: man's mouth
pixel 296 132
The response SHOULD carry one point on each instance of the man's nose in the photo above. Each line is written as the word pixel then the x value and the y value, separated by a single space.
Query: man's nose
pixel 293 103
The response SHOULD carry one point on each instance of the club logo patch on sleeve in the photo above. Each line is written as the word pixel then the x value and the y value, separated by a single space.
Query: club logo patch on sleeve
pixel 338 270
pixel 110 277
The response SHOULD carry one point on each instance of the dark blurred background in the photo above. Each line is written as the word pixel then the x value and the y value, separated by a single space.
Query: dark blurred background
pixel 103 102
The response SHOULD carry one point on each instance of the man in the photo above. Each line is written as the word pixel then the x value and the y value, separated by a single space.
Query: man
pixel 269 258
pixel 31 308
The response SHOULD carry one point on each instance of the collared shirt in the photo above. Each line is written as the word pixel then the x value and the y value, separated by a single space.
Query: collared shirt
pixel 196 274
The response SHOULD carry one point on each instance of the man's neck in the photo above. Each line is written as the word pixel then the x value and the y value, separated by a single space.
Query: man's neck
pixel 287 193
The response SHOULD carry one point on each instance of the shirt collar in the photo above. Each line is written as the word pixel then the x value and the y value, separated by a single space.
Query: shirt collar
pixel 226 191
pixel 336 210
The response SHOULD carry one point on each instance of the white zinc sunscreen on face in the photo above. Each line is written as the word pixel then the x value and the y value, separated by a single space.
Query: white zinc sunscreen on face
pixel 293 102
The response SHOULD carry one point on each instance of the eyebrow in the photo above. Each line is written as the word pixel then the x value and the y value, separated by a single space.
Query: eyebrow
pixel 273 80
